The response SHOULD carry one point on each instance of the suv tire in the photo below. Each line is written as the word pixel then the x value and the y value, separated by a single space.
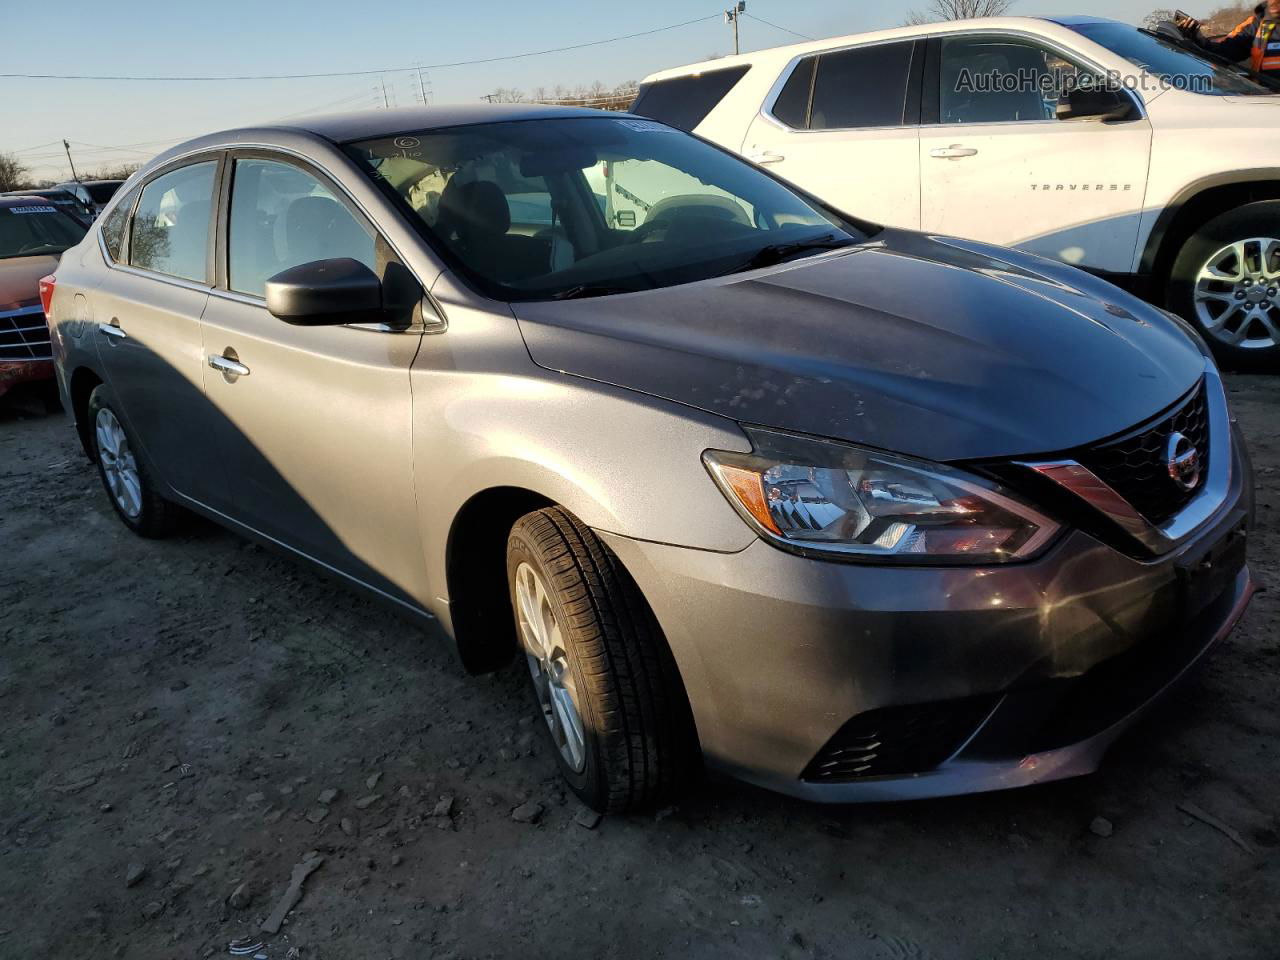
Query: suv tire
pixel 1238 314
pixel 594 648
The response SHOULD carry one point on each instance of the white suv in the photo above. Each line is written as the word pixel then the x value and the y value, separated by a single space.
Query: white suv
pixel 1167 182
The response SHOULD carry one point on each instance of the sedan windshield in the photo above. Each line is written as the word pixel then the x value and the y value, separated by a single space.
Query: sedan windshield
pixel 590 206
pixel 1180 66
pixel 33 230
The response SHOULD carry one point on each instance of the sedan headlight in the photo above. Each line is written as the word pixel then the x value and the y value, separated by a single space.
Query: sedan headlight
pixel 817 496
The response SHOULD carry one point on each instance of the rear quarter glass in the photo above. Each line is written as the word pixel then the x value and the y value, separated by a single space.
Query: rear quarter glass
pixel 684 102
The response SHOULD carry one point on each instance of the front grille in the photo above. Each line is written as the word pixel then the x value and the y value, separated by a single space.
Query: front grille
pixel 893 741
pixel 24 335
pixel 1137 465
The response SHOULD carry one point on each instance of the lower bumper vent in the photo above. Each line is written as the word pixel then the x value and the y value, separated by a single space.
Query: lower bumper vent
pixel 893 741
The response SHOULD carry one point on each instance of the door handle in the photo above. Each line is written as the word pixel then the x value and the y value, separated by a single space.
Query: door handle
pixel 953 152
pixel 112 329
pixel 232 368
pixel 765 156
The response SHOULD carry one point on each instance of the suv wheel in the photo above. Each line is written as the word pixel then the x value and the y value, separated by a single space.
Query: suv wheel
pixel 131 493
pixel 1226 281
pixel 601 673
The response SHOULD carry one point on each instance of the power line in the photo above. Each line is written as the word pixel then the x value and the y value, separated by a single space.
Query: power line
pixel 752 16
pixel 360 73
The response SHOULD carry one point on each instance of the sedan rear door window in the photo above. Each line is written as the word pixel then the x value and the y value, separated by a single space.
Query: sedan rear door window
pixel 170 233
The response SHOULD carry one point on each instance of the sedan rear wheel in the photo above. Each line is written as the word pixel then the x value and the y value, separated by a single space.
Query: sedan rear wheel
pixel 119 468
pixel 132 493
pixel 603 679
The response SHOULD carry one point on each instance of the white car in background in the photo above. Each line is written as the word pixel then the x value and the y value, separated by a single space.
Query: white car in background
pixel 1168 184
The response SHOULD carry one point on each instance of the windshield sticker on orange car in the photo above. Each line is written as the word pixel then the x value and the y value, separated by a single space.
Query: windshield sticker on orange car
pixel 33 209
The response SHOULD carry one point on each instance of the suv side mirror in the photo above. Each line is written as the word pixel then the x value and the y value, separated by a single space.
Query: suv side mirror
pixel 325 293
pixel 1086 104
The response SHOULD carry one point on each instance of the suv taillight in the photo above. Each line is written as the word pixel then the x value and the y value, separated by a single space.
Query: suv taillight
pixel 46 292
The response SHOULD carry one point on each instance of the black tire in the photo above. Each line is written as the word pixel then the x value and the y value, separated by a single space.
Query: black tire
pixel 1253 220
pixel 641 748
pixel 157 517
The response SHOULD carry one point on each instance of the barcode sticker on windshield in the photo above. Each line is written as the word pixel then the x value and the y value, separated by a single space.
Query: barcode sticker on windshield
pixel 647 126
pixel 34 209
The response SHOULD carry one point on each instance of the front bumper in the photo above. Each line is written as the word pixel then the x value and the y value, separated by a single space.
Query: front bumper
pixel 1050 660
pixel 14 372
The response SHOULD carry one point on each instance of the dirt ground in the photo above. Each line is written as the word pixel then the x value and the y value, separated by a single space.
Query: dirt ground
pixel 177 709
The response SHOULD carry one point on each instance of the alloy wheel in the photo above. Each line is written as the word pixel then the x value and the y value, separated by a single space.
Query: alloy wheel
pixel 1237 294
pixel 118 464
pixel 553 680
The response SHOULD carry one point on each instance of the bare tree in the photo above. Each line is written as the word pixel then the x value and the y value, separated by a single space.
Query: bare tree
pixel 958 10
pixel 1157 17
pixel 596 95
pixel 118 171
pixel 13 173
pixel 1225 19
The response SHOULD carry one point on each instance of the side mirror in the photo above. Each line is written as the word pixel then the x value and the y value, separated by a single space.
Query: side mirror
pixel 325 293
pixel 1094 104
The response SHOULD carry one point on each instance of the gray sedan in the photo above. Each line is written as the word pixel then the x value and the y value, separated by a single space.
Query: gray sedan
pixel 851 512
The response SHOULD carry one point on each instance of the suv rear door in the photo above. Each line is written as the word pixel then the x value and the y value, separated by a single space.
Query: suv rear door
pixel 997 164
pixel 843 125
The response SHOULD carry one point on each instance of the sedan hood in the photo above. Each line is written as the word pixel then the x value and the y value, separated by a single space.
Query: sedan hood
pixel 938 348
pixel 20 279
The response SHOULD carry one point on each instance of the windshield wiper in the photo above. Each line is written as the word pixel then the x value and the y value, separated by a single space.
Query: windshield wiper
pixel 776 253
pixel 590 290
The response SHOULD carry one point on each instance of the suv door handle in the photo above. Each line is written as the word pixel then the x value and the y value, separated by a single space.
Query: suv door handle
pixel 112 329
pixel 765 156
pixel 232 368
pixel 953 152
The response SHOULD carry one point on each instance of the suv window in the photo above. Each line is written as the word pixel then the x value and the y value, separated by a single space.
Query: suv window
pixel 113 226
pixel 684 102
pixel 170 231
pixel 282 216
pixel 1001 80
pixel 863 87
pixel 792 105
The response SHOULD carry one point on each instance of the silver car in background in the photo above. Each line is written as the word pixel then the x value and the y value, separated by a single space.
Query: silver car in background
pixel 853 513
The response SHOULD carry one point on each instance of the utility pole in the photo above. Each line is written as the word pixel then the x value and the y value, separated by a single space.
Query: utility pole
pixel 386 104
pixel 731 16
pixel 422 88
pixel 74 176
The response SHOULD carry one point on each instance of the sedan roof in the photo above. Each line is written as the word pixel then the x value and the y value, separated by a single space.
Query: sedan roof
pixel 368 124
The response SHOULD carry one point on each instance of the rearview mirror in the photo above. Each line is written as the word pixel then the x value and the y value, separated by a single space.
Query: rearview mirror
pixel 550 162
pixel 325 293
pixel 1093 104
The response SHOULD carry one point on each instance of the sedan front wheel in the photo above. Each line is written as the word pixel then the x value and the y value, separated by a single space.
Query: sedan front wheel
pixel 603 679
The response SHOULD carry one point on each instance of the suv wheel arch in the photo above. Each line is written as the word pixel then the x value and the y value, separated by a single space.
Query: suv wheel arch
pixel 1195 206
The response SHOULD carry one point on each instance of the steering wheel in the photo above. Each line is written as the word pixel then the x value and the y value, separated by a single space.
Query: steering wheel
pixel 643 233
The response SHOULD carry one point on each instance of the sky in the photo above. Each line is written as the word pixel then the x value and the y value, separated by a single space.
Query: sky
pixel 121 121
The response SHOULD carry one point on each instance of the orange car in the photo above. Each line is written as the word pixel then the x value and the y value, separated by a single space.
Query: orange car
pixel 33 235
